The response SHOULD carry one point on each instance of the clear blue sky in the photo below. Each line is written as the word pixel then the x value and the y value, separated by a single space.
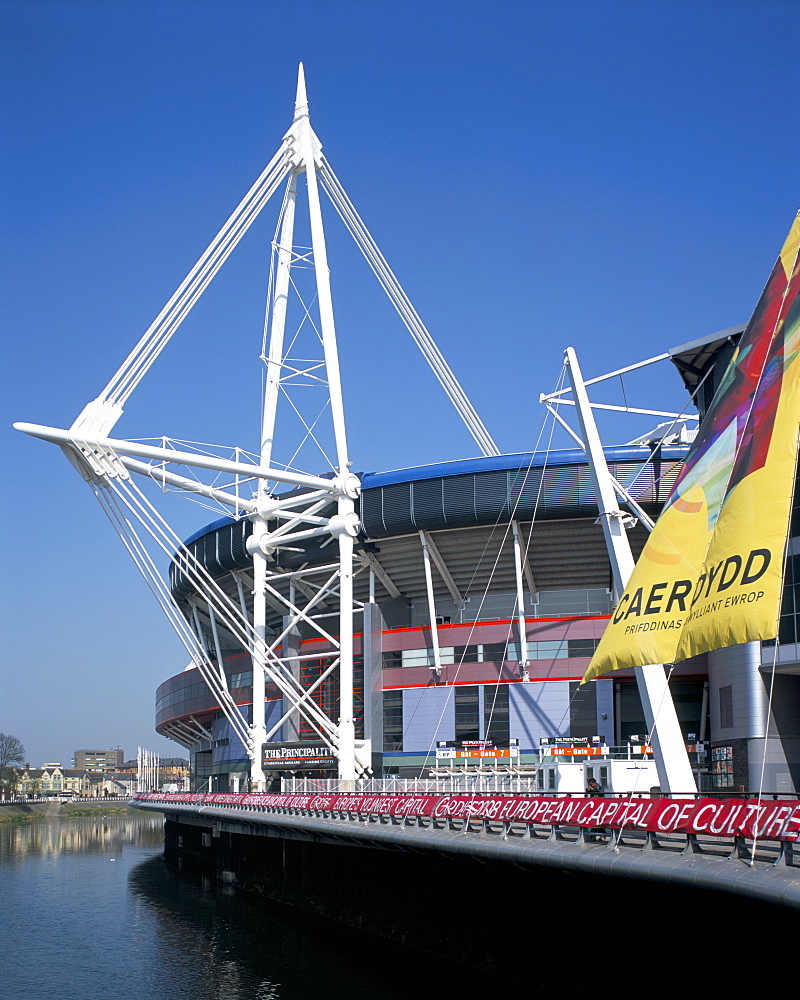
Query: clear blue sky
pixel 618 176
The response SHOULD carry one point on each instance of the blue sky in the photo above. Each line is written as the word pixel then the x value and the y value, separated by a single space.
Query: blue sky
pixel 616 176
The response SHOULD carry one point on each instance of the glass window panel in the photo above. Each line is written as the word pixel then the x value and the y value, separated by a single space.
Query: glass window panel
pixel 550 649
pixel 417 657
pixel 581 647
pixel 467 725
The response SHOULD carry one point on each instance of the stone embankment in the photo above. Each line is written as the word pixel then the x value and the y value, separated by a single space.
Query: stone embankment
pixel 24 812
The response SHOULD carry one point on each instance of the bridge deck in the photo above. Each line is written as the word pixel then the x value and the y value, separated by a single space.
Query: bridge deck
pixel 764 869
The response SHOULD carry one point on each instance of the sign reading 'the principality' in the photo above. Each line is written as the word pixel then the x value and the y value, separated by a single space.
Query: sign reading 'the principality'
pixel 298 756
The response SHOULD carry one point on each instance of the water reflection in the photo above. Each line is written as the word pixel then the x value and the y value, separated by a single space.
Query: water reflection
pixel 210 944
pixel 98 913
pixel 85 835
pixel 219 944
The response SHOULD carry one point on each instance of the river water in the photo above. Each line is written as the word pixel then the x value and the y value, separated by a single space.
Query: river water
pixel 91 910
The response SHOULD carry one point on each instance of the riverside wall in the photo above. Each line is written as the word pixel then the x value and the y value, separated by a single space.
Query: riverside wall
pixel 461 896
pixel 24 812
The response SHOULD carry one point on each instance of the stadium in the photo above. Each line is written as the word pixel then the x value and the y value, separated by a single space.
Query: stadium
pixel 429 621
pixel 473 534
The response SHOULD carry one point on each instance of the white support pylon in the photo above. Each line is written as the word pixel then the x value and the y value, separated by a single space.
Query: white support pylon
pixel 106 464
pixel 669 749
pixel 304 149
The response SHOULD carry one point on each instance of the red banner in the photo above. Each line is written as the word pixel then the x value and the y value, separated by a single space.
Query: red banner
pixel 767 820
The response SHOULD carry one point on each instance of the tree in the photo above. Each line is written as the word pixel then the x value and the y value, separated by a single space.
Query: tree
pixel 11 752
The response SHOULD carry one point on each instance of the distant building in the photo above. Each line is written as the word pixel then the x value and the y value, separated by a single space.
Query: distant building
pixel 119 783
pixel 174 774
pixel 98 760
pixel 52 779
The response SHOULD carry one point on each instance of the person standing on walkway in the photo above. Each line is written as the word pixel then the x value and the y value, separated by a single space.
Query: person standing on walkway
pixel 595 790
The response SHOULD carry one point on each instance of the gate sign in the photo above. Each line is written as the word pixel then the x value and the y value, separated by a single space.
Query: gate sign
pixel 297 756
pixel 490 753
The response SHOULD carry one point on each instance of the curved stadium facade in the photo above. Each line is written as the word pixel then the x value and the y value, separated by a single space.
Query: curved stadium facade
pixel 462 514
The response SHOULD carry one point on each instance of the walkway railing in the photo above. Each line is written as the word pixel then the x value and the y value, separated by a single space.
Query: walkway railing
pixel 477 783
pixel 733 827
pixel 483 784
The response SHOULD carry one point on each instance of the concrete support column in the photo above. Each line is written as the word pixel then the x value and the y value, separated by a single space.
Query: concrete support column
pixel 372 648
pixel 738 700
pixel 291 650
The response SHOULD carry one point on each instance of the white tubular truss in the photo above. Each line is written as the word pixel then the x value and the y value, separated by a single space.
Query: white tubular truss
pixel 106 465
pixel 177 308
pixel 219 606
pixel 92 447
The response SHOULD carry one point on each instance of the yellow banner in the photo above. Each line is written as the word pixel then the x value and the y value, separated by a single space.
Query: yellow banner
pixel 710 574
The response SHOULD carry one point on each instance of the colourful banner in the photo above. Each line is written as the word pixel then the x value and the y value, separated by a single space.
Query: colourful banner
pixel 766 819
pixel 710 574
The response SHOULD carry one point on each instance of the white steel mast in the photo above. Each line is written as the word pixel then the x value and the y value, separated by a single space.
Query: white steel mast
pixel 303 150
pixel 317 507
pixel 669 749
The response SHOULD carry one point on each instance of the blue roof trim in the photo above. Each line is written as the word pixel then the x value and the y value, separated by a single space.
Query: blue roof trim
pixel 221 522
pixel 521 460
pixel 492 463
